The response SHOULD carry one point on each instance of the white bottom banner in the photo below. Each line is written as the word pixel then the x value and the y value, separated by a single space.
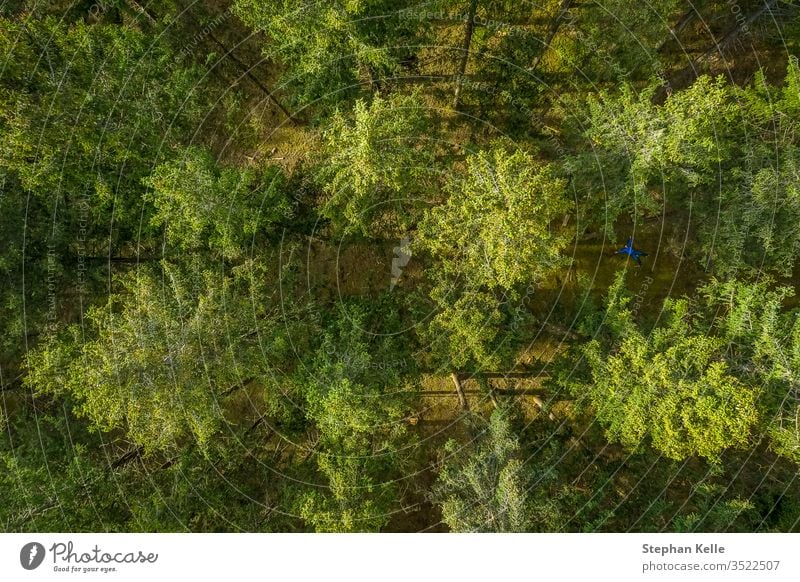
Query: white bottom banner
pixel 400 557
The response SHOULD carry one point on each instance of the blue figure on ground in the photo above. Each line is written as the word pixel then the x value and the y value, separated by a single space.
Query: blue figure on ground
pixel 632 252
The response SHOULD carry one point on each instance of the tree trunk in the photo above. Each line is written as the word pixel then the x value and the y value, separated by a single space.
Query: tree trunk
pixel 527 392
pixel 253 78
pixel 540 404
pixel 462 398
pixel 127 458
pixel 503 375
pixel 554 26
pixel 123 260
pixel 736 31
pixel 682 23
pixel 690 72
pixel 11 384
pixel 259 421
pixel 469 26
pixel 245 69
pixel 492 392
pixel 138 8
pixel 236 387
pixel 561 330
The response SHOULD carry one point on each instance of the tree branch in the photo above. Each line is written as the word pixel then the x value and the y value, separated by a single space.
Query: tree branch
pixel 462 399
pixel 733 34
pixel 127 458
pixel 469 25
pixel 253 78
pixel 554 27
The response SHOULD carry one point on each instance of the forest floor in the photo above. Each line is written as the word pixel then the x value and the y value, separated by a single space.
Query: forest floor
pixel 335 269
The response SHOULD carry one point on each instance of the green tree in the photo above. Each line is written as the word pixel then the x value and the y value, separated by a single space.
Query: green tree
pixel 764 344
pixel 330 48
pixel 87 110
pixel 484 486
pixel 51 478
pixel 495 229
pixel 724 157
pixel 162 356
pixel 715 372
pixel 644 155
pixel 375 164
pixel 355 399
pixel 681 396
pixel 199 203
pixel 492 237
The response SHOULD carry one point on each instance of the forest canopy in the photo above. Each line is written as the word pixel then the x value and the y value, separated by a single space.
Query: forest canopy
pixel 399 265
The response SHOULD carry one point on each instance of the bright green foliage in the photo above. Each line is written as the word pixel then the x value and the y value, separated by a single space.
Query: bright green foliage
pixel 495 230
pixel 647 154
pixel 484 486
pixel 165 354
pixel 672 387
pixel 727 157
pixel 493 235
pixel 465 330
pixel 353 399
pixel 765 342
pixel 759 205
pixel 202 204
pixel 330 47
pixel 705 379
pixel 770 219
pixel 354 500
pixel 474 330
pixel 679 396
pixel 376 164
